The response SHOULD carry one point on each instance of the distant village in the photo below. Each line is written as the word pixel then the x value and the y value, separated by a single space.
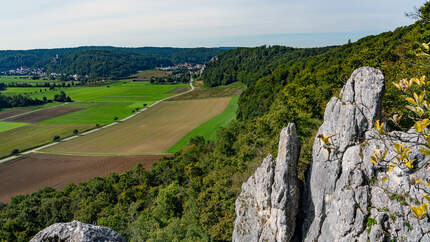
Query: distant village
pixel 182 66
pixel 37 73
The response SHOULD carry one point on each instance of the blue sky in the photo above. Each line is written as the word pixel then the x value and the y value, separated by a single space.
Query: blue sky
pixel 27 24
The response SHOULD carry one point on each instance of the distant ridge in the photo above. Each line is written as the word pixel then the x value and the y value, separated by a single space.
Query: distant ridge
pixel 104 61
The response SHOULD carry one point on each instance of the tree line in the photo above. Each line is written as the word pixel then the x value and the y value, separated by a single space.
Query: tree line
pixel 104 62
pixel 24 101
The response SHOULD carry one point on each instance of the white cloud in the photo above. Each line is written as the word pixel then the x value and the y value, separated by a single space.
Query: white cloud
pixel 59 23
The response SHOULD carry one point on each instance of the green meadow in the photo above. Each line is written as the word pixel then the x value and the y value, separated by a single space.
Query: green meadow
pixel 4 126
pixel 25 79
pixel 33 135
pixel 118 92
pixel 208 129
pixel 94 113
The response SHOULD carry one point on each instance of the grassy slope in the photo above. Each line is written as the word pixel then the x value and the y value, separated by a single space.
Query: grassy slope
pixel 4 126
pixel 208 129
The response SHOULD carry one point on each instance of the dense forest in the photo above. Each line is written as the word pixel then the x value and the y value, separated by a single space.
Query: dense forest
pixel 191 195
pixel 104 62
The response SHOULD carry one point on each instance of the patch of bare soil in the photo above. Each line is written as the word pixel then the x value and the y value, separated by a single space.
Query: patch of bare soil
pixel 33 172
pixel 11 113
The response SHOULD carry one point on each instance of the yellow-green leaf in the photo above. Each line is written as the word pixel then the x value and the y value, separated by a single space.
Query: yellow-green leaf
pixel 411 101
pixel 426 197
pixel 425 151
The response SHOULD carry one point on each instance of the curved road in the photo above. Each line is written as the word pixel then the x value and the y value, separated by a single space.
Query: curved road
pixel 94 130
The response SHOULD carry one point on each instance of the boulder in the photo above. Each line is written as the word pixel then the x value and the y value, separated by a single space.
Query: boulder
pixel 77 232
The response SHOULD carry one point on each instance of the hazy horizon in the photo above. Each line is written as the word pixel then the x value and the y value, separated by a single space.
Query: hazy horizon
pixel 47 24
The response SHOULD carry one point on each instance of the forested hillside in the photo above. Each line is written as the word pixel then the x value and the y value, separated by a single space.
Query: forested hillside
pixel 191 196
pixel 247 65
pixel 104 62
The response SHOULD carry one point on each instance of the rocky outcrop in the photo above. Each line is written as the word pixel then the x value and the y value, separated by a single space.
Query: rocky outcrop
pixel 344 198
pixel 347 201
pixel 77 232
pixel 339 195
pixel 267 206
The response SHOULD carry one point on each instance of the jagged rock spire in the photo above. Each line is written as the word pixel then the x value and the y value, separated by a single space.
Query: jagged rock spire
pixel 344 197
pixel 267 206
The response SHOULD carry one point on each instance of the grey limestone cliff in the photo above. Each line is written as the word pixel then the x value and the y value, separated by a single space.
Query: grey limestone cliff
pixel 77 232
pixel 347 201
pixel 344 198
pixel 267 207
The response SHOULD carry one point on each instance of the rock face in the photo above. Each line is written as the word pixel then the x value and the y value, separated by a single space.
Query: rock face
pixel 344 197
pixel 267 206
pixel 346 200
pixel 77 232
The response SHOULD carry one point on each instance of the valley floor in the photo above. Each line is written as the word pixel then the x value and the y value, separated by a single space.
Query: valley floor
pixel 144 138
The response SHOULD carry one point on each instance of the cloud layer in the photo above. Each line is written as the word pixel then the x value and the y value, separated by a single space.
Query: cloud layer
pixel 28 24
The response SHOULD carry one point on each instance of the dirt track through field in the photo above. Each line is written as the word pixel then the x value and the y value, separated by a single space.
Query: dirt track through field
pixel 28 174
pixel 11 113
pixel 180 90
pixel 152 132
pixel 37 116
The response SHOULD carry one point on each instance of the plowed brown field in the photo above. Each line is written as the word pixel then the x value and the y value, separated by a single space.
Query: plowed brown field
pixel 30 173
pixel 10 113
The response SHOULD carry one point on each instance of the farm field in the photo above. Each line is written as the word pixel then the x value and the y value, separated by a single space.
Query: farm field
pixel 33 135
pixel 118 92
pixel 30 173
pixel 202 92
pixel 208 129
pixel 21 79
pixel 95 106
pixel 142 139
pixel 27 80
pixel 10 125
pixel 43 114
pixel 11 113
pixel 148 74
pixel 94 113
pixel 152 132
